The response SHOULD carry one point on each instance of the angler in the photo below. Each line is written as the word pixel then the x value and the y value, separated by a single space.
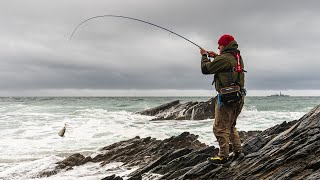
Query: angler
pixel 228 71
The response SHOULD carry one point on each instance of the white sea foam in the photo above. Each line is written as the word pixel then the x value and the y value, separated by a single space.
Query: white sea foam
pixel 29 169
pixel 251 119
pixel 93 171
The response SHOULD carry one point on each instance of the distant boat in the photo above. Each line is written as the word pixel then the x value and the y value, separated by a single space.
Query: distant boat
pixel 278 95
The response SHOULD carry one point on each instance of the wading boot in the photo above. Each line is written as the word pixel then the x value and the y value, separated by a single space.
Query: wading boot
pixel 237 155
pixel 218 160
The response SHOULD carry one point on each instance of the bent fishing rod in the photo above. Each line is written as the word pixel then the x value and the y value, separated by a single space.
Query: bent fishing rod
pixel 135 19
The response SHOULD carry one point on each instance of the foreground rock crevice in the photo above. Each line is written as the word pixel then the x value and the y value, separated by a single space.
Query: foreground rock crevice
pixel 290 150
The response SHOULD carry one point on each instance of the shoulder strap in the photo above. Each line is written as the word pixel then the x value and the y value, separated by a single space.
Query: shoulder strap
pixel 236 81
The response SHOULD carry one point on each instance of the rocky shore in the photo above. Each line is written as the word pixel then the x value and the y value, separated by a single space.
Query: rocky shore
pixel 182 111
pixel 290 150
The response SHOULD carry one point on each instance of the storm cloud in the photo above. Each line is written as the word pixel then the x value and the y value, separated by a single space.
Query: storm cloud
pixel 278 41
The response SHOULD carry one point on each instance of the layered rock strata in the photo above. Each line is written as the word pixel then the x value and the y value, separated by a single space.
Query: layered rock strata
pixel 182 111
pixel 290 150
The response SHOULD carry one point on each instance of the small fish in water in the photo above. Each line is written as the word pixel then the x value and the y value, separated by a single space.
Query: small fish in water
pixel 62 131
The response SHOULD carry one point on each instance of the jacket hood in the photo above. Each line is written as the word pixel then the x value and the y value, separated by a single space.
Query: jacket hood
pixel 231 47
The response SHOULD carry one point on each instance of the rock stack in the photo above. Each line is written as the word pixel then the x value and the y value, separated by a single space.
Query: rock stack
pixel 182 111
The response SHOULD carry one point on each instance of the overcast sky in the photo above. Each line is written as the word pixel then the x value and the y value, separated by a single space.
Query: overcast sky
pixel 279 41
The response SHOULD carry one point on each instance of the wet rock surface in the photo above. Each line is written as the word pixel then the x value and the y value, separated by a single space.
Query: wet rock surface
pixel 244 135
pixel 112 177
pixel 290 150
pixel 182 111
pixel 143 152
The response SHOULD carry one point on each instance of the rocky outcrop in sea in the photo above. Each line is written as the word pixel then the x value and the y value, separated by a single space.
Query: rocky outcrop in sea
pixel 182 111
pixel 290 150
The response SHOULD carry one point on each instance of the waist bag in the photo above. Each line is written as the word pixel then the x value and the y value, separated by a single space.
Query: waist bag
pixel 230 95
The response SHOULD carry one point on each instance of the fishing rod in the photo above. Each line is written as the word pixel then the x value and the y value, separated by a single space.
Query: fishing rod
pixel 126 17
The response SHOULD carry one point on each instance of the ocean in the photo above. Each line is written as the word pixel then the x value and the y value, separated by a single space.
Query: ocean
pixel 29 129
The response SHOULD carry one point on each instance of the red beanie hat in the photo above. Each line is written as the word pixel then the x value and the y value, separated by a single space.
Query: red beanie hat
pixel 225 40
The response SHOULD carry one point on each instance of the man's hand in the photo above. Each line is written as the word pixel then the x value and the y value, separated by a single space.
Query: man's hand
pixel 203 51
pixel 209 53
pixel 212 54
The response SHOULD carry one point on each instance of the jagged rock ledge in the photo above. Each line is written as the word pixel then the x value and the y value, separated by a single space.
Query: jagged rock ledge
pixel 182 111
pixel 286 151
pixel 144 152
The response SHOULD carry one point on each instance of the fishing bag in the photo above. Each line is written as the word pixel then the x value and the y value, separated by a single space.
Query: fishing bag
pixel 230 95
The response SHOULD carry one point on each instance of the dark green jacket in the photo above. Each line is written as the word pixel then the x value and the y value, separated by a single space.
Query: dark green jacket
pixel 221 67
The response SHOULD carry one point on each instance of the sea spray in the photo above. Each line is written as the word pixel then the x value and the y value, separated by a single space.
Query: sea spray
pixel 192 114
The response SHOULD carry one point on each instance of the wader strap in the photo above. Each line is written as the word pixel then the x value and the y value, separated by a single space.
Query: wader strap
pixel 230 78
pixel 236 81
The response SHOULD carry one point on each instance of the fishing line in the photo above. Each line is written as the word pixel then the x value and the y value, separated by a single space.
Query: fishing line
pixel 126 17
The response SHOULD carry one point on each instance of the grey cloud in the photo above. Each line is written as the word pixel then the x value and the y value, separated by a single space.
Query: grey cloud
pixel 278 40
